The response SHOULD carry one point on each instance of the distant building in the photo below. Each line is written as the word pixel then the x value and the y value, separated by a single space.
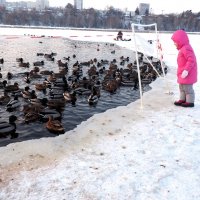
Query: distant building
pixel 16 5
pixel 42 4
pixel 137 19
pixel 78 4
pixel 3 3
pixel 31 4
pixel 128 18
pixel 144 8
pixel 38 4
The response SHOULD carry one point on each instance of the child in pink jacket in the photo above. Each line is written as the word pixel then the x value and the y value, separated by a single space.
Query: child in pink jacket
pixel 187 69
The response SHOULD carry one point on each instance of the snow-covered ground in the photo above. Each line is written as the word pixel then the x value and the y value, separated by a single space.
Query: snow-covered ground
pixel 149 153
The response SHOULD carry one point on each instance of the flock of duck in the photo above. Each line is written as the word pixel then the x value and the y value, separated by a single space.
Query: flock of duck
pixel 46 92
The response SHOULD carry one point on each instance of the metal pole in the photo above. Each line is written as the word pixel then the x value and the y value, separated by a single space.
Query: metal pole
pixel 138 67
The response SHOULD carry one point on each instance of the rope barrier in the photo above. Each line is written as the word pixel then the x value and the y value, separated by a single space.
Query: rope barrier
pixel 160 51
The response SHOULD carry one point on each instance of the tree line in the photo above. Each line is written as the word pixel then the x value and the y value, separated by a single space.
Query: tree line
pixel 90 18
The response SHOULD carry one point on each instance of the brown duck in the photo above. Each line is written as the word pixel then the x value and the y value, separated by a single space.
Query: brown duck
pixel 54 126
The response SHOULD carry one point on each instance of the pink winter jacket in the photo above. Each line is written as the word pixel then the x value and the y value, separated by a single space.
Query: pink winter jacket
pixel 186 59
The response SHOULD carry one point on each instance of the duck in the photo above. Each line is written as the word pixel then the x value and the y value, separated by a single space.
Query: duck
pixel 32 108
pixel 31 117
pixel 56 103
pixel 129 83
pixel 26 93
pixel 17 93
pixel 82 91
pixel 61 64
pixel 61 83
pixel 34 74
pixel 49 57
pixel 84 82
pixel 59 74
pixel 54 126
pixel 1 60
pixel 9 75
pixel 4 99
pixel 39 102
pixel 11 88
pixel 38 63
pixel 67 58
pixel 47 83
pixel 3 84
pixel 45 113
pixel 95 60
pixel 54 95
pixel 146 81
pixel 93 98
pixel 52 77
pixel 74 82
pixel 45 72
pixel 27 78
pixel 111 86
pixel 8 128
pixel 70 97
pixel 33 95
pixel 13 104
pixel 25 65
pixel 41 86
pixel 40 54
pixel 19 60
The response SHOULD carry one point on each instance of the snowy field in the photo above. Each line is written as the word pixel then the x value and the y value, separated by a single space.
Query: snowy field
pixel 126 153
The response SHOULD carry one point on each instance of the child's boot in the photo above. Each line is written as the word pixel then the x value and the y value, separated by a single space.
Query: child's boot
pixel 186 104
pixel 179 102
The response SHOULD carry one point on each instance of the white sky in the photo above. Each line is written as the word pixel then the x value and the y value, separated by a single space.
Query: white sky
pixel 158 6
pixel 124 153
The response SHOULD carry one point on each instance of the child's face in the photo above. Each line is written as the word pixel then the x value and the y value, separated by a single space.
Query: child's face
pixel 176 45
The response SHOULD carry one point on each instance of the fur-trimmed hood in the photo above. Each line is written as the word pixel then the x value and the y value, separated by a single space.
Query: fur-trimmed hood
pixel 180 38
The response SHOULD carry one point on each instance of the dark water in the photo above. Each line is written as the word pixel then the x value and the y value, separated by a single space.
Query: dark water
pixel 27 48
